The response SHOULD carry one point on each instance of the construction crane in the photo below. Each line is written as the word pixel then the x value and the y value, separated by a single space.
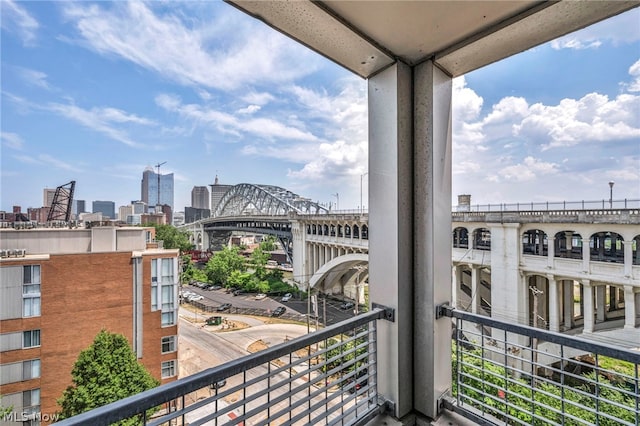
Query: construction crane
pixel 62 202
pixel 158 167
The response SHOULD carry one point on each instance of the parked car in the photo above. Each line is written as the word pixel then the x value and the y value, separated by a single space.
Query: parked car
pixel 278 311
pixel 195 298
pixel 260 296
pixel 238 292
pixel 224 307
pixel 361 380
pixel 218 385
pixel 286 297
pixel 347 305
pixel 214 287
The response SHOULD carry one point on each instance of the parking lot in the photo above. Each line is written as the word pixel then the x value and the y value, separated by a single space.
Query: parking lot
pixel 246 303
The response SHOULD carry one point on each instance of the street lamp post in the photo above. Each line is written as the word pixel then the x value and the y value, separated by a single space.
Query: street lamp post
pixel 361 205
pixel 611 183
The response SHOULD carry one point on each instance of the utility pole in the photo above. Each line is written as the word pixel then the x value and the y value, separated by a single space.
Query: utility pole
pixel 158 167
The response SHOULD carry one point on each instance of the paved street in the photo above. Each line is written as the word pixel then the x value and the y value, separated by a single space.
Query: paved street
pixel 215 298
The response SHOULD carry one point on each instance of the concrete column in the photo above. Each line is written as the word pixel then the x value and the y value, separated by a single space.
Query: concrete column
pixel 586 255
pixel 456 278
pixel 588 306
pixel 410 211
pixel 475 289
pixel 630 307
pixel 601 303
pixel 551 251
pixel 554 304
pixel 567 296
pixel 613 298
pixel 628 257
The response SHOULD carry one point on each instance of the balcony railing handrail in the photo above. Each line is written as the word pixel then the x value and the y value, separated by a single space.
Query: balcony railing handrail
pixel 155 397
pixel 546 335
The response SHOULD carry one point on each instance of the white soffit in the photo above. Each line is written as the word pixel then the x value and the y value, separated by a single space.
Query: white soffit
pixel 367 36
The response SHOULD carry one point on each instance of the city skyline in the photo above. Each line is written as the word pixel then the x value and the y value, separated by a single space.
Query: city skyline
pixel 211 91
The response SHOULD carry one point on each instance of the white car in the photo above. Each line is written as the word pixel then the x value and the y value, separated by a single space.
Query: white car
pixel 286 297
pixel 195 298
pixel 260 296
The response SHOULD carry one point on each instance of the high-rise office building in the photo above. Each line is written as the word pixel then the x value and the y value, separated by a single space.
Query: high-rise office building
pixel 47 196
pixel 79 206
pixel 149 188
pixel 217 191
pixel 107 208
pixel 200 197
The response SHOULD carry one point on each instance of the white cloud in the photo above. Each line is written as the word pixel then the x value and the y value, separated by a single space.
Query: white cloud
pixel 12 140
pixel 528 170
pixel 34 78
pixel 634 71
pixel 101 120
pixel 15 19
pixel 620 29
pixel 592 118
pixel 466 108
pixel 46 160
pixel 256 98
pixel 250 109
pixel 267 128
pixel 571 42
pixel 185 50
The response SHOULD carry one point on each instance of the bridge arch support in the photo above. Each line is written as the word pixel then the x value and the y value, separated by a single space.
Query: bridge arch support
pixel 342 272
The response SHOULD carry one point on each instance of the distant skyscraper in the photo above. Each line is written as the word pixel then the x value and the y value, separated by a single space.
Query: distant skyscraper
pixel 124 211
pixel 200 197
pixel 107 208
pixel 217 191
pixel 149 192
pixel 47 196
pixel 79 206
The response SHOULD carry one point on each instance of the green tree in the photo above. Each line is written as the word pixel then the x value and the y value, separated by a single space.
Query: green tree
pixel 222 264
pixel 173 238
pixel 268 243
pixel 105 372
pixel 259 260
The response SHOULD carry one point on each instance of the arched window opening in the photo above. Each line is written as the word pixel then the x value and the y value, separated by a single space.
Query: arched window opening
pixel 606 247
pixel 635 250
pixel 340 231
pixel 347 231
pixel 365 232
pixel 326 230
pixel 482 239
pixel 333 230
pixel 534 241
pixel 356 231
pixel 568 244
pixel 460 238
pixel 313 229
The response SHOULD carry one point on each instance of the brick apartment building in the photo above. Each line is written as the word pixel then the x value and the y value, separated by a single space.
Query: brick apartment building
pixel 60 287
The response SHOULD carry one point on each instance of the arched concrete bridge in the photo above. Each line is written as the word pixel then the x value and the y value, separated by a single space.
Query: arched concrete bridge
pixel 331 249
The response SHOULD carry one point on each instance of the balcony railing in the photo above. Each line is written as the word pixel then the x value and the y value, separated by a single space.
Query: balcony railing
pixel 326 377
pixel 519 375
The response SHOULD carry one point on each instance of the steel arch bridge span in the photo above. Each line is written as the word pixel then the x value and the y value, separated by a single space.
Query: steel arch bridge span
pixel 342 271
pixel 264 200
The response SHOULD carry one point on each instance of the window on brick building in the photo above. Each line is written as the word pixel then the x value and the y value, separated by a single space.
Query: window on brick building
pixel 168 369
pixel 163 289
pixel 31 291
pixel 168 344
pixel 30 339
pixel 31 369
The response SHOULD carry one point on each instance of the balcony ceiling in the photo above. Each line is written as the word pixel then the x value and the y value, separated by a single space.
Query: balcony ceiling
pixel 367 36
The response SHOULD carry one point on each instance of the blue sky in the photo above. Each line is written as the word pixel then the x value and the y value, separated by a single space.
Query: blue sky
pixel 97 92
